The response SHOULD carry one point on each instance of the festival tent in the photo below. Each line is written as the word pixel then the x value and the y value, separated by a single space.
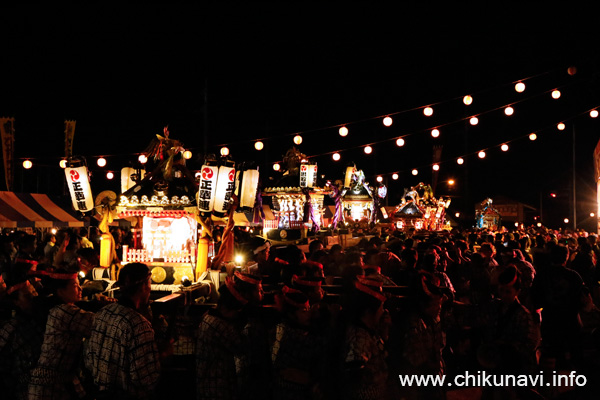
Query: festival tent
pixel 34 210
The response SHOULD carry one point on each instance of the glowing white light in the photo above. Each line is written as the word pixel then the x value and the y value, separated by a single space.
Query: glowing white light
pixel 27 164
pixel 566 220
pixel 460 161
pixel 259 145
pixel 395 176
pixel 539 224
pixel 556 94
pixel 239 259
pixel 560 126
pixel 504 147
pixel 428 111
pixel 436 167
pixel 142 159
pixel 387 121
pixel 224 151
pixel 343 131
pixel 592 214
pixel 101 162
pixel 509 111
pixel 457 215
pixel 435 133
pixel 468 100
pixel 415 172
pixel 481 154
pixel 187 154
pixel 109 175
pixel 63 163
pixel 276 167
pixel 380 179
pixel 532 136
pixel 474 120
pixel 594 113
pixel 298 139
pixel 400 142
pixel 520 87
pixel 451 182
pixel 336 156
pixel 368 149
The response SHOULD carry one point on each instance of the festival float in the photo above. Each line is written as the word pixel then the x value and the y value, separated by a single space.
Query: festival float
pixel 160 203
pixel 297 201
pixel 486 216
pixel 420 210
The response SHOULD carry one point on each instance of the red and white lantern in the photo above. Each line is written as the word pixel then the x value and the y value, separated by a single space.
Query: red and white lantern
pixel 79 188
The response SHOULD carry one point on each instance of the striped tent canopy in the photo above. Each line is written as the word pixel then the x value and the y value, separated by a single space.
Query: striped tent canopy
pixel 34 210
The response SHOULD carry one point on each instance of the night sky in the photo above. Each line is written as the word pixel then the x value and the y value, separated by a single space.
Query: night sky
pixel 269 73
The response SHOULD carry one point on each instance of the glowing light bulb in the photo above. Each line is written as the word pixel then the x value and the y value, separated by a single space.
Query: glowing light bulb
pixel 566 220
pixel 457 215
pixel 520 87
pixel 63 163
pixel 460 161
pixel 298 139
pixel 380 179
pixel 415 172
pixel 368 149
pixel 594 113
pixel 474 120
pixel 276 167
pixel 395 176
pixel 27 164
pixel 224 151
pixel 387 121
pixel 451 182
pixel 428 111
pixel 336 156
pixel 560 126
pixel 532 136
pixel 481 154
pixel 468 100
pixel 101 162
pixel 343 131
pixel 436 167
pixel 435 133
pixel 556 94
pixel 109 175
pixel 504 147
pixel 509 111
pixel 400 142
pixel 259 145
pixel 142 159
pixel 187 154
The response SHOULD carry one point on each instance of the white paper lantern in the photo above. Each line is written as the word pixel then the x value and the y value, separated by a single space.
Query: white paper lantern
pixel 79 188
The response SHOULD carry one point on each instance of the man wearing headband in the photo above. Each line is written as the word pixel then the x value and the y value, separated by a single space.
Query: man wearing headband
pixel 21 339
pixel 122 353
pixel 219 341
pixel 57 372
pixel 297 352
pixel 365 370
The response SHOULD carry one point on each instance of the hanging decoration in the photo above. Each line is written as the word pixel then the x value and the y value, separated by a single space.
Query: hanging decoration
pixel 7 131
pixel 78 181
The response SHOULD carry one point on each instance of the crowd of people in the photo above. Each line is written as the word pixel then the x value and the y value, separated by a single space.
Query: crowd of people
pixel 330 323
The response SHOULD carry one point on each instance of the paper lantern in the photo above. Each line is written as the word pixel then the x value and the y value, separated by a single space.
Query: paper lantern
pixel 127 181
pixel 106 250
pixel 246 189
pixel 348 177
pixel 336 156
pixel 435 133
pixel 387 121
pixel 27 164
pixel 428 111
pixel 79 188
pixel 297 139
pixel 468 100
pixel 343 131
pixel 400 142
pixel 259 145
pixel 187 154
pixel 225 187
pixel 143 159
pixel 63 163
pixel 520 87
pixel 207 187
pixel 101 162
pixel 308 175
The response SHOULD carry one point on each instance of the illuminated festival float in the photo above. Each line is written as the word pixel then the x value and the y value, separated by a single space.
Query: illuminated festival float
pixel 420 210
pixel 161 206
pixel 297 201
pixel 486 216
